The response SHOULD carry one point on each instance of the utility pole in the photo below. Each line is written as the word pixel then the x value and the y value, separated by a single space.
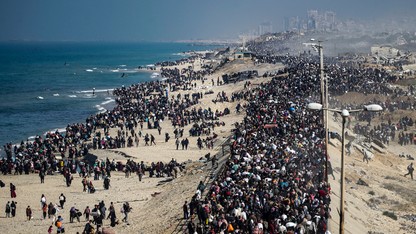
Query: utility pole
pixel 324 101
pixel 345 114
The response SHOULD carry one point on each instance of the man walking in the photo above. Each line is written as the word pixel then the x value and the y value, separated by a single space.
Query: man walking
pixel 42 176
pixel 185 210
pixel 126 210
pixel 410 170
pixel 152 139
pixel 8 210
pixel 28 213
pixel 177 143
pixel 13 208
pixel 62 200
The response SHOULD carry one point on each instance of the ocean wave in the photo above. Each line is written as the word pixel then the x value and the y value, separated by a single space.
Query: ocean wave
pixel 89 70
pixel 155 75
pixel 60 130
pixel 108 101
pixel 72 96
pixel 100 109
pixel 31 137
pixel 56 94
pixel 96 91
pixel 131 71
pixel 180 54
pixel 124 70
pixel 40 97
pixel 89 95
pixel 98 106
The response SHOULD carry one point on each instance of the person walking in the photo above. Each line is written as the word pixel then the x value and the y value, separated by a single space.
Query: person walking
pixel 185 210
pixel 365 156
pixel 28 213
pixel 87 212
pixel 8 209
pixel 62 200
pixel 126 210
pixel 410 170
pixel 50 229
pixel 140 172
pixel 152 140
pixel 42 176
pixel 112 215
pixel 13 208
pixel 177 143
pixel 84 184
pixel 12 190
pixel 59 225
pixel 88 228
pixel 42 200
pixel 73 213
pixel 186 143
pixel 106 182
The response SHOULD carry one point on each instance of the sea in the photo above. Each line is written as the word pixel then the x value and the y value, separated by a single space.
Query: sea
pixel 47 85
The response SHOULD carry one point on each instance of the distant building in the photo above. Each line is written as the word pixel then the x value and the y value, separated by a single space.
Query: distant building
pixel 243 55
pixel 265 28
pixel 387 52
pixel 292 24
pixel 330 20
pixel 315 21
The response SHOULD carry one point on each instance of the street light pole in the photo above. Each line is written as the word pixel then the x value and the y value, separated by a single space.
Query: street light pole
pixel 321 71
pixel 324 100
pixel 345 114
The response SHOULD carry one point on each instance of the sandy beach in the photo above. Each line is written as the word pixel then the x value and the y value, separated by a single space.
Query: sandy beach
pixel 157 202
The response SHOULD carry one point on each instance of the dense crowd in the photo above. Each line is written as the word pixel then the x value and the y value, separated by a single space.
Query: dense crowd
pixel 273 181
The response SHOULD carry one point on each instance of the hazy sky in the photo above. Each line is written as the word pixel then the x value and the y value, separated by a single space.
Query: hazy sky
pixel 166 20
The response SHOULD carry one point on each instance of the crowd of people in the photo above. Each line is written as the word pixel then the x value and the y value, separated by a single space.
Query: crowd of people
pixel 273 181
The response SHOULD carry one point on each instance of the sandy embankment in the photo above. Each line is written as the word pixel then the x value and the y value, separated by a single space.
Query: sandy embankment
pixel 387 190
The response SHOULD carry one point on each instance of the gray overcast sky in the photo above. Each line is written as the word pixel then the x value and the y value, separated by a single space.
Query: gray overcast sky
pixel 166 20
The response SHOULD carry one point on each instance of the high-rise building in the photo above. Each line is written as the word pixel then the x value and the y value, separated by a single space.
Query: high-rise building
pixel 330 20
pixel 265 28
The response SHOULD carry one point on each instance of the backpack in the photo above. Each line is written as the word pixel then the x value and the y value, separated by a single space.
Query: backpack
pixel 58 223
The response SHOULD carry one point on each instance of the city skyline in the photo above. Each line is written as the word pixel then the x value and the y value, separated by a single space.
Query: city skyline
pixel 158 20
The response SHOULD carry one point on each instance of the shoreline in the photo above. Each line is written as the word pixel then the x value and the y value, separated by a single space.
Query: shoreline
pixel 61 129
pixel 23 186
